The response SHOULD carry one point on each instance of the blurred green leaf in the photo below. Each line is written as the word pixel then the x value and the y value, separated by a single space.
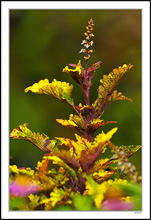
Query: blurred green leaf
pixel 63 208
pixel 132 189
pixel 83 203
pixel 17 203
pixel 135 191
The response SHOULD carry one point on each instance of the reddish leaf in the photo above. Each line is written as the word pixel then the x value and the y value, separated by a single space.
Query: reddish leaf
pixel 68 159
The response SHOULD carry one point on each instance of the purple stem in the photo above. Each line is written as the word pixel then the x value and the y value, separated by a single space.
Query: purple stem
pixel 87 88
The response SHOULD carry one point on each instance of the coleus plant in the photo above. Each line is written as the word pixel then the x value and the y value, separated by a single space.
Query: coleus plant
pixel 80 178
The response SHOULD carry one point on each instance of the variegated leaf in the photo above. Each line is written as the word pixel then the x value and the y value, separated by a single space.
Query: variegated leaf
pixel 60 90
pixel 117 96
pixel 110 82
pixel 41 141
pixel 128 151
pixel 102 175
pixel 76 73
pixel 75 121
pixel 106 93
pixel 61 163
pixel 68 159
pixel 97 123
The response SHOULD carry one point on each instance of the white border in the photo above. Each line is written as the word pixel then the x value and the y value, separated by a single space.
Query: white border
pixel 144 5
pixel 75 4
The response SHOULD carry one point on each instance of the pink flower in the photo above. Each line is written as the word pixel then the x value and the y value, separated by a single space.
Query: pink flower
pixel 116 204
pixel 22 186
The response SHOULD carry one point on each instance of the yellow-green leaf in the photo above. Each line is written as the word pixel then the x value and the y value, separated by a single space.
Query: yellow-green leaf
pixel 61 163
pixel 67 157
pixel 76 73
pixel 96 191
pixel 97 123
pixel 102 175
pixel 67 123
pixel 106 93
pixel 82 143
pixel 41 141
pixel 57 195
pixel 60 90
pixel 105 137
pixel 111 81
pixel 128 151
pixel 117 96
pixel 75 121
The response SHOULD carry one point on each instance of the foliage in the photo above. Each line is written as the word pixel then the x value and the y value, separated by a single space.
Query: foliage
pixel 72 174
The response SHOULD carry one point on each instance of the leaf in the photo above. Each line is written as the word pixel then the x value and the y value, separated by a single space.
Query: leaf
pixel 61 163
pixel 91 70
pixel 75 146
pixel 132 189
pixel 68 159
pixel 106 93
pixel 91 185
pixel 97 123
pixel 81 108
pixel 23 171
pixel 87 151
pixel 128 151
pixel 18 203
pixel 104 137
pixel 101 164
pixel 60 90
pixel 34 201
pixel 42 166
pixel 83 202
pixel 67 123
pixel 75 121
pixel 102 175
pixel 78 120
pixel 67 97
pixel 95 190
pixel 65 141
pixel 63 208
pixel 41 141
pixel 83 144
pixel 110 82
pixel 115 96
pixel 39 87
pixel 56 196
pixel 85 107
pixel 76 73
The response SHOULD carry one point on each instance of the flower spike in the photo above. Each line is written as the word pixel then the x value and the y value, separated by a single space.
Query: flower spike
pixel 87 42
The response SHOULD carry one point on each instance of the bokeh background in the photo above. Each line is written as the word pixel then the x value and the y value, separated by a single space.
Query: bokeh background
pixel 42 43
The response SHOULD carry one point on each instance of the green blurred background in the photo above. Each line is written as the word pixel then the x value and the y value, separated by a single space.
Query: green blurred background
pixel 42 43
